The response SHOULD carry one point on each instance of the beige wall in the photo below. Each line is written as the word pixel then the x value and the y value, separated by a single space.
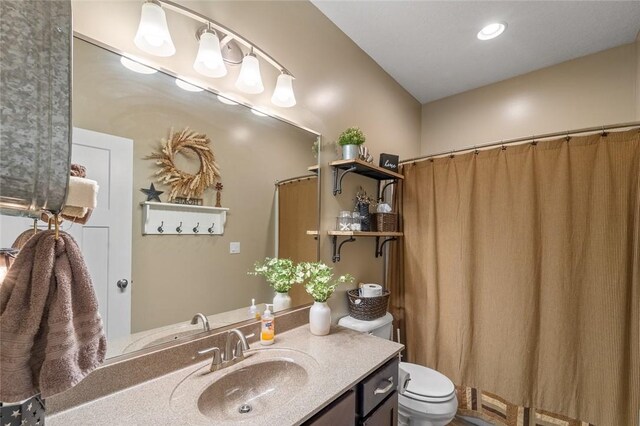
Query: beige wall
pixel 593 90
pixel 337 85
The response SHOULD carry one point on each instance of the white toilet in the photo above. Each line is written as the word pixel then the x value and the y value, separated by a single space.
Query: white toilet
pixel 430 398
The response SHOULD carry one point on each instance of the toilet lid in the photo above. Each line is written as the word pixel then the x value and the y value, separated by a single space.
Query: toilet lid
pixel 427 384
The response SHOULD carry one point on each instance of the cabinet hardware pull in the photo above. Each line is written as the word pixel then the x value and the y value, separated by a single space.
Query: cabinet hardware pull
pixel 386 388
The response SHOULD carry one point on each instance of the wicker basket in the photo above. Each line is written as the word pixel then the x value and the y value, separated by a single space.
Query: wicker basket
pixel 386 222
pixel 367 308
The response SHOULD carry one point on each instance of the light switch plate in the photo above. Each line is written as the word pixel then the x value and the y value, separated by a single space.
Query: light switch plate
pixel 234 247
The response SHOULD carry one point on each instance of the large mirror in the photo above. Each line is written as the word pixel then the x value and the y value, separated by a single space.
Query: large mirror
pixel 150 286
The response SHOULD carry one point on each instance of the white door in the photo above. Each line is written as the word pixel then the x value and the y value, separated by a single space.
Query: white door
pixel 105 240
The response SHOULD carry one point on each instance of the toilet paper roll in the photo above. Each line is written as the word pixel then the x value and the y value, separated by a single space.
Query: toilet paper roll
pixel 370 290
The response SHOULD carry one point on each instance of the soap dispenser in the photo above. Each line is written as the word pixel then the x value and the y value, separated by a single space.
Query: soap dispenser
pixel 267 328
pixel 254 313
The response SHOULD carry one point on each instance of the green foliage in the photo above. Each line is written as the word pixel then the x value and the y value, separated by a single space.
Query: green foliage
pixel 281 274
pixel 318 280
pixel 351 136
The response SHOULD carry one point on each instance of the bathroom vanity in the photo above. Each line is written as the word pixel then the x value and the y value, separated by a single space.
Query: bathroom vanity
pixel 345 378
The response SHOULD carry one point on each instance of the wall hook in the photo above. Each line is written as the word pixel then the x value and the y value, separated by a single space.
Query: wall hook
pixel 161 227
pixel 195 228
pixel 211 229
pixel 179 228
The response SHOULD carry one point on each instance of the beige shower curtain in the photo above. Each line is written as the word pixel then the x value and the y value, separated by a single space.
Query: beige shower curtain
pixel 297 214
pixel 522 273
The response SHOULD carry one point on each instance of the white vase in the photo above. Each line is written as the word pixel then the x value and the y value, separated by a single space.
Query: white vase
pixel 281 301
pixel 320 318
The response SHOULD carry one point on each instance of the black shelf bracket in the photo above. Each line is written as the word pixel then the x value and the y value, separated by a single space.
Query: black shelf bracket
pixel 380 246
pixel 338 175
pixel 337 248
pixel 381 191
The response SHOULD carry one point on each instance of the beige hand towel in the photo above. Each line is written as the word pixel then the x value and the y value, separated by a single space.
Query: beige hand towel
pixel 51 333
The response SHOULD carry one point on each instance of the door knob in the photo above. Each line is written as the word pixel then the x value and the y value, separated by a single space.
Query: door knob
pixel 122 284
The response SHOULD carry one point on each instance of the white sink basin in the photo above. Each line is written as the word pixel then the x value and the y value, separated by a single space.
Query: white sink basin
pixel 248 392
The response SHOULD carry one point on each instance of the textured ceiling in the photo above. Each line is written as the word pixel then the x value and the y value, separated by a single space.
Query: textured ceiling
pixel 431 49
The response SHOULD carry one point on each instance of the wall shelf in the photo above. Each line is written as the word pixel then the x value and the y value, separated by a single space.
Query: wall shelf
pixel 385 236
pixel 341 168
pixel 182 219
pixel 314 168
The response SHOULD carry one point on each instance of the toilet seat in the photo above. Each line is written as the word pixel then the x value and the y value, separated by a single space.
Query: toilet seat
pixel 427 385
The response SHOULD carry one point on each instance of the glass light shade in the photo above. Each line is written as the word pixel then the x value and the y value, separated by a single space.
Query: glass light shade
pixel 283 95
pixel 250 80
pixel 188 86
pixel 153 33
pixel 209 59
pixel 136 66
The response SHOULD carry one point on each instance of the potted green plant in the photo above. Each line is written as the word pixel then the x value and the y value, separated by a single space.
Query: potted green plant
pixel 281 274
pixel 320 284
pixel 350 141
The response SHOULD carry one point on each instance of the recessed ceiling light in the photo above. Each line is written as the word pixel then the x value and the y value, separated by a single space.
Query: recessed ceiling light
pixel 258 113
pixel 492 31
pixel 136 66
pixel 187 86
pixel 227 101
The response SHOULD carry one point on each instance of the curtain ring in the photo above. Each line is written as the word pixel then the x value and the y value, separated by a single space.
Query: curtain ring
pixel 475 150
pixel 502 147
pixel 567 138
pixel 451 155
pixel 533 140
pixel 604 133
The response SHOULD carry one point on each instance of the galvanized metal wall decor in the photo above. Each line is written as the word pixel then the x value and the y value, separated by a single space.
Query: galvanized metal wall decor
pixel 35 108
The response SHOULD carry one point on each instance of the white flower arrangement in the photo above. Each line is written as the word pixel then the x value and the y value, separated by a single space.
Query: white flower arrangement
pixel 318 280
pixel 281 274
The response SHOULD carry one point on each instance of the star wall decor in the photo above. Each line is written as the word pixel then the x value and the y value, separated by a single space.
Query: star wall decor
pixel 152 193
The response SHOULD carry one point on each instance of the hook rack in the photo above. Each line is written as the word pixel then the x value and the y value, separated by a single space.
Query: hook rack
pixel 187 218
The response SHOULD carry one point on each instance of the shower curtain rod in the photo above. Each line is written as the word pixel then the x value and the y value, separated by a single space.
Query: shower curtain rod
pixel 524 139
pixel 294 179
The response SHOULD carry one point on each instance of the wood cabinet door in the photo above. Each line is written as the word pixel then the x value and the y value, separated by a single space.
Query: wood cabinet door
pixel 342 412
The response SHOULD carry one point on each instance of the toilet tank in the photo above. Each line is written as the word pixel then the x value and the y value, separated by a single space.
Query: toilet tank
pixel 380 327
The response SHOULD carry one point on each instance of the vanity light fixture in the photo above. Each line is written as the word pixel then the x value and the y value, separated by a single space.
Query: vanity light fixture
pixel 187 86
pixel 492 31
pixel 153 33
pixel 136 66
pixel 209 60
pixel 283 95
pixel 218 48
pixel 250 80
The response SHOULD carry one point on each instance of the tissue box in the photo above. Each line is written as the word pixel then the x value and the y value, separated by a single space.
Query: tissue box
pixel 385 222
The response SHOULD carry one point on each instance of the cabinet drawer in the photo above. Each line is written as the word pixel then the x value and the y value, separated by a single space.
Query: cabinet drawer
pixel 386 414
pixel 341 412
pixel 377 387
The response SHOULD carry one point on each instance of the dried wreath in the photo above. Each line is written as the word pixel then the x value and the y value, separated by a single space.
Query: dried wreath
pixel 183 183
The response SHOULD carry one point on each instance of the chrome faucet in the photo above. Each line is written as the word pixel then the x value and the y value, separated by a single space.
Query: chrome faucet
pixel 205 321
pixel 230 355
pixel 242 345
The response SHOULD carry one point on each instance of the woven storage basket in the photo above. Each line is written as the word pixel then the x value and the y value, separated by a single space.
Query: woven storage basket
pixel 386 222
pixel 367 308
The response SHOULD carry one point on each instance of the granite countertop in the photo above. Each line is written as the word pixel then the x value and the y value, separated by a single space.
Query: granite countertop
pixel 335 364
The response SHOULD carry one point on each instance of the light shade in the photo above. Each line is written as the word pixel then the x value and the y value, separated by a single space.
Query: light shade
pixel 187 86
pixel 283 95
pixel 209 59
pixel 153 33
pixel 250 80
pixel 136 66
pixel 491 31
